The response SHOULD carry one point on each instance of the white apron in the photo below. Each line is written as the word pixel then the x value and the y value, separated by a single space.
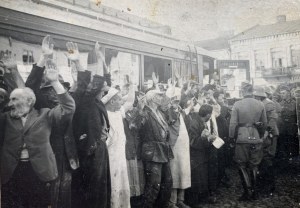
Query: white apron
pixel 180 165
pixel 120 191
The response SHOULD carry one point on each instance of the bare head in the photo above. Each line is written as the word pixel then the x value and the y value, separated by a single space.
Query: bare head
pixel 21 101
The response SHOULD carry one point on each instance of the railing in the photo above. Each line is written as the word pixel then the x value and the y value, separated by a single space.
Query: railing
pixel 281 71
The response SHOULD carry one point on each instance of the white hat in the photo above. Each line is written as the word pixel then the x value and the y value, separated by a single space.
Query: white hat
pixel 111 92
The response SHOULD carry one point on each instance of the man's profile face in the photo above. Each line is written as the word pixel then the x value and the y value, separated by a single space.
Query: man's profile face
pixel 117 101
pixel 19 105
pixel 220 99
pixel 285 94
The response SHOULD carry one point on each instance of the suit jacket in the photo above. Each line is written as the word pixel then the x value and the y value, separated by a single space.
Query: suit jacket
pixel 36 134
pixel 245 113
pixel 61 139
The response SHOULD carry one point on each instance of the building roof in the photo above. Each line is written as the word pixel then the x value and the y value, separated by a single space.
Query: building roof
pixel 214 44
pixel 268 30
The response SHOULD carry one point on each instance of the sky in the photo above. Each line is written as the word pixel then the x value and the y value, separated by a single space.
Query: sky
pixel 194 20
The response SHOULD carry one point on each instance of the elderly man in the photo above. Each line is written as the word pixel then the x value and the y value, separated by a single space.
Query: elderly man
pixel 28 165
pixel 156 153
pixel 247 127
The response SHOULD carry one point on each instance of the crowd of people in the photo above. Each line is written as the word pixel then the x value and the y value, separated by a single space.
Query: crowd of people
pixel 102 144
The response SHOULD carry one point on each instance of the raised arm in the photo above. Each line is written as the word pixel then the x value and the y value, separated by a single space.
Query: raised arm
pixel 35 77
pixel 66 103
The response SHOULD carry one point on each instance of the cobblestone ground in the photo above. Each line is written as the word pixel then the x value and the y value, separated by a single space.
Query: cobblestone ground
pixel 287 192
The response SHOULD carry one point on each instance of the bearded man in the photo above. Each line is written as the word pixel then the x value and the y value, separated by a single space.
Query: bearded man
pixel 28 165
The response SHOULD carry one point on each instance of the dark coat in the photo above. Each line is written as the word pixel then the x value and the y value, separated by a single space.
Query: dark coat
pixel 62 139
pixel 36 134
pixel 155 145
pixel 92 181
pixel 202 155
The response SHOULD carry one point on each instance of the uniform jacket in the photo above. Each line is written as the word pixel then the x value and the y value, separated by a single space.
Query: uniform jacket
pixel 245 113
pixel 288 111
pixel 61 139
pixel 272 115
pixel 36 134
pixel 155 145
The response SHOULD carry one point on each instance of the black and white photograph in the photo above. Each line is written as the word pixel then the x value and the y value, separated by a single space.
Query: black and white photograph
pixel 149 103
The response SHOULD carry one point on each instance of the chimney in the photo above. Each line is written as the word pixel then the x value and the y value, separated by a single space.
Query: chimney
pixel 281 18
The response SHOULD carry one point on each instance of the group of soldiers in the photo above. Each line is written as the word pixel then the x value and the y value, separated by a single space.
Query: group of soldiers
pixel 102 144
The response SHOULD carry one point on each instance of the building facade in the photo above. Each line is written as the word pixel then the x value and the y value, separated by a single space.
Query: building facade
pixel 273 50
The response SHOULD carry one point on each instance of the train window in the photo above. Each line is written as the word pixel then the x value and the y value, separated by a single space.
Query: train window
pixel 28 57
pixel 161 67
pixel 122 65
pixel 186 70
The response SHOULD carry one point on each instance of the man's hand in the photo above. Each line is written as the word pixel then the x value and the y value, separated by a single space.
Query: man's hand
pixel 170 83
pixel 205 133
pixel 231 143
pixel 47 46
pixel 155 78
pixel 53 76
pixel 51 71
pixel 9 62
pixel 212 138
pixel 73 53
pixel 47 51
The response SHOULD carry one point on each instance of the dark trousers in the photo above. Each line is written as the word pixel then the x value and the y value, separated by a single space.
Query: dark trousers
pixel 158 185
pixel 91 187
pixel 288 141
pixel 25 189
pixel 248 155
pixel 61 189
pixel 266 168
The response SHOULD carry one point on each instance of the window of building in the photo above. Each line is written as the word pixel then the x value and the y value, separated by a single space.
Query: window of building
pixel 296 57
pixel 243 56
pixel 27 57
pixel 278 59
pixel 260 62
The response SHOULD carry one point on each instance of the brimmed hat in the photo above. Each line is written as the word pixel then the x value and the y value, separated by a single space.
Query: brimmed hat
pixel 268 90
pixel 46 83
pixel 110 94
pixel 259 91
pixel 151 93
